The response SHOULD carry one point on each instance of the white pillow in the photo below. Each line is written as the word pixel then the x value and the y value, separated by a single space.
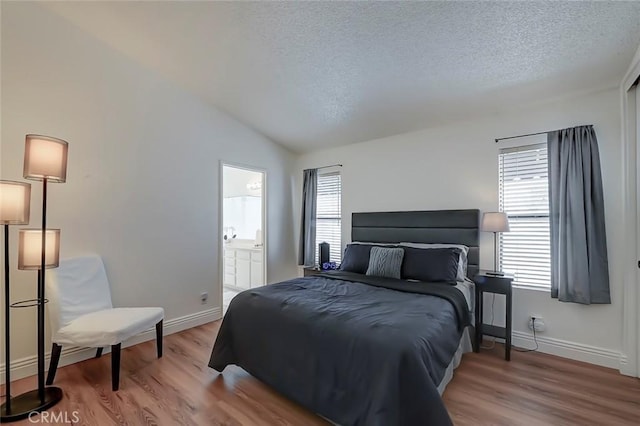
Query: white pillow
pixel 462 262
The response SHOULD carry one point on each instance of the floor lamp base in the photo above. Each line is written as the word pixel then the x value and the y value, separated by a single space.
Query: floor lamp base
pixel 23 405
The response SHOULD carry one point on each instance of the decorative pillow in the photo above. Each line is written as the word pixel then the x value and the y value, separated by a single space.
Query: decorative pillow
pixel 385 262
pixel 356 257
pixel 462 262
pixel 431 265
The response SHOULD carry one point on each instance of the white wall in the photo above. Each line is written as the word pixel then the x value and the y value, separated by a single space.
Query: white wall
pixel 455 167
pixel 143 177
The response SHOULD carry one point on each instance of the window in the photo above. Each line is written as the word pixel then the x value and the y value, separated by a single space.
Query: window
pixel 329 214
pixel 524 196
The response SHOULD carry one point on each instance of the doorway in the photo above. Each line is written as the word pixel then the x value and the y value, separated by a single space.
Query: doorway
pixel 637 189
pixel 242 230
pixel 630 356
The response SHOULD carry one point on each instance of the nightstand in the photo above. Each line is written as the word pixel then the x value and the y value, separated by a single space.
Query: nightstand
pixel 485 282
pixel 310 270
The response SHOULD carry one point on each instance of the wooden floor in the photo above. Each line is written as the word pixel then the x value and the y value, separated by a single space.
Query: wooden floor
pixel 179 389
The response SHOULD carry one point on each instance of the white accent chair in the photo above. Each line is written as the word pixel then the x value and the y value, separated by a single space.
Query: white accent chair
pixel 81 313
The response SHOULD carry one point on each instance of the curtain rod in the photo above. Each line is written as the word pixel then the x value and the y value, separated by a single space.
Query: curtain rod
pixel 326 167
pixel 521 136
pixel 532 134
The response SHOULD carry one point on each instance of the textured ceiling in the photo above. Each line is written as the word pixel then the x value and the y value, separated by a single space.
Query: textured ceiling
pixel 312 75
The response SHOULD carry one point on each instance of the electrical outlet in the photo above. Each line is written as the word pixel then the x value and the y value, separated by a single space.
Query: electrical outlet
pixel 204 296
pixel 539 323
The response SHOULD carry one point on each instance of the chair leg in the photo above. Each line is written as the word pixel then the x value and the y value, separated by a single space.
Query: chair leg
pixel 98 352
pixel 53 363
pixel 115 366
pixel 159 338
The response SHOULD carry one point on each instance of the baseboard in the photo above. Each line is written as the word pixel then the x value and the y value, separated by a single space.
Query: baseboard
pixel 577 351
pixel 628 368
pixel 27 366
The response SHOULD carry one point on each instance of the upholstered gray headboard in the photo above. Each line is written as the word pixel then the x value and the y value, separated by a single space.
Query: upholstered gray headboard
pixel 435 226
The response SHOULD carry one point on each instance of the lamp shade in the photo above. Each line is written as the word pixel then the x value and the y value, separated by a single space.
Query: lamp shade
pixel 495 222
pixel 45 158
pixel 30 248
pixel 15 202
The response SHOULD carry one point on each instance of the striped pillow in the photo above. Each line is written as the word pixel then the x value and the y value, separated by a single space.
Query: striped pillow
pixel 385 262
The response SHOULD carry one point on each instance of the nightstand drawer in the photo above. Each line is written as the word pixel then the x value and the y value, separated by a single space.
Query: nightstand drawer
pixel 490 284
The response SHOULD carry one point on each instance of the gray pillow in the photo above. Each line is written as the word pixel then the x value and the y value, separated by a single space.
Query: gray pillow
pixel 385 262
pixel 356 257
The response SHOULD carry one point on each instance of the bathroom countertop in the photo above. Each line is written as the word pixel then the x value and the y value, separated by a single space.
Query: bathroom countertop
pixel 242 247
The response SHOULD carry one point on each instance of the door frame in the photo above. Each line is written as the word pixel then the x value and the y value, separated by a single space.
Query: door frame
pixel 630 356
pixel 265 231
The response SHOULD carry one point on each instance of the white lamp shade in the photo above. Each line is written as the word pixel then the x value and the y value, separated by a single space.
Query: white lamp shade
pixel 15 202
pixel 30 248
pixel 45 158
pixel 495 222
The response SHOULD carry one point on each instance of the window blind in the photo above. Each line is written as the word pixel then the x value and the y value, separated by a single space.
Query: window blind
pixel 329 214
pixel 524 196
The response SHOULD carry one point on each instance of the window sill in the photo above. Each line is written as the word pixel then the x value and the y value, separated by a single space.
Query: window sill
pixel 534 288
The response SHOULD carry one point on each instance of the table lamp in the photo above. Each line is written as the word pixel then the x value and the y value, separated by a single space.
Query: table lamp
pixel 495 222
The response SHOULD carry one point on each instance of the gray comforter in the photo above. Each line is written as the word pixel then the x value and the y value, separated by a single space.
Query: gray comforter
pixel 358 350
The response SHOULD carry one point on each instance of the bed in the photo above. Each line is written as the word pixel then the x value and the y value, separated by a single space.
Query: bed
pixel 359 349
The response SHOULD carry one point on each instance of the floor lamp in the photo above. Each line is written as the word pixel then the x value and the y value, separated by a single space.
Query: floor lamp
pixel 495 222
pixel 45 159
pixel 15 200
pixel 30 249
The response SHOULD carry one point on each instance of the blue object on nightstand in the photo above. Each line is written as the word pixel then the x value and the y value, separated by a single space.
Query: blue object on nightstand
pixel 329 266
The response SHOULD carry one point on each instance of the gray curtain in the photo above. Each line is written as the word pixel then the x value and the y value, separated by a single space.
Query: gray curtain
pixel 579 265
pixel 306 252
